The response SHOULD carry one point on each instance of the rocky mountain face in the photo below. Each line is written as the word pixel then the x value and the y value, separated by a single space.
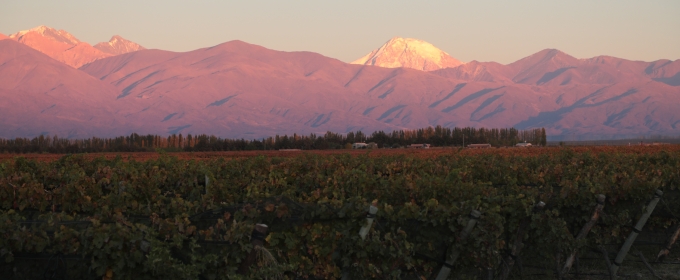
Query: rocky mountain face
pixel 39 95
pixel 409 53
pixel 240 90
pixel 118 45
pixel 553 67
pixel 245 90
pixel 66 48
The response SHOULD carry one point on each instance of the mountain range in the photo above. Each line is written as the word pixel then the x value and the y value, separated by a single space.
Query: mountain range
pixel 241 90
pixel 66 48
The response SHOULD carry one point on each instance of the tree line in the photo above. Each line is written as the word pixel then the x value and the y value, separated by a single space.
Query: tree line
pixel 435 136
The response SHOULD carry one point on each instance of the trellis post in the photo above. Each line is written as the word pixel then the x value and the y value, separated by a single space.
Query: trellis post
pixel 257 239
pixel 584 231
pixel 451 259
pixel 636 230
pixel 517 245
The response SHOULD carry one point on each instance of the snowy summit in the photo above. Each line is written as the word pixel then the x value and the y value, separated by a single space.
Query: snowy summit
pixel 409 53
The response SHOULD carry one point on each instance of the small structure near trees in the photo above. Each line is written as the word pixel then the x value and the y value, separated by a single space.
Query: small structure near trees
pixel 360 145
pixel 479 146
pixel 419 146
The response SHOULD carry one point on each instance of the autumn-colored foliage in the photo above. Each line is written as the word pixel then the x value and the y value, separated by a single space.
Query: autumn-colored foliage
pixel 173 217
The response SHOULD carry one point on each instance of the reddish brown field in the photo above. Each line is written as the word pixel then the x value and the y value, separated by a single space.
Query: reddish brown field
pixel 140 156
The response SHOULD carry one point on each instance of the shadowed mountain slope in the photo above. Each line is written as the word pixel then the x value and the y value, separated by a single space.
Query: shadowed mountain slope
pixel 39 95
pixel 475 71
pixel 236 89
pixel 241 90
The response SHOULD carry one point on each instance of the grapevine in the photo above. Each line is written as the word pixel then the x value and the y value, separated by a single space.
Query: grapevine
pixel 175 218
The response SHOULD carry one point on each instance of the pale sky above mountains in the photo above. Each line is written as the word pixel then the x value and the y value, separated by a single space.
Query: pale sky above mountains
pixel 502 31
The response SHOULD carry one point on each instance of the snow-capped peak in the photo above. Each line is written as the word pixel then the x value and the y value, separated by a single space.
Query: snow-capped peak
pixel 118 45
pixel 410 53
pixel 48 32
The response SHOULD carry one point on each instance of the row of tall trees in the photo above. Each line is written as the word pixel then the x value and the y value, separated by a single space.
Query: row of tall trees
pixel 436 136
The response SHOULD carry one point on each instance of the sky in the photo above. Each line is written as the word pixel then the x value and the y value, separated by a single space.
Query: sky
pixel 501 31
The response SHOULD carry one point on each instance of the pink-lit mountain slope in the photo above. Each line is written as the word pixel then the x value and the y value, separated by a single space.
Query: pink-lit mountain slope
pixel 237 89
pixel 475 71
pixel 39 95
pixel 241 89
pixel 554 68
pixel 3 36
pixel 665 71
pixel 546 67
pixel 59 45
pixel 118 45
pixel 409 53
pixel 64 47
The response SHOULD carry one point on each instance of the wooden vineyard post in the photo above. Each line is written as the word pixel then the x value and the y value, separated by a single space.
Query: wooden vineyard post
pixel 636 230
pixel 558 260
pixel 666 250
pixel 257 239
pixel 372 210
pixel 517 245
pixel 207 182
pixel 605 255
pixel 584 231
pixel 451 259
pixel 578 267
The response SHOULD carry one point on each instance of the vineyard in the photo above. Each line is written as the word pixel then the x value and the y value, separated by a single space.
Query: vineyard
pixel 547 213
